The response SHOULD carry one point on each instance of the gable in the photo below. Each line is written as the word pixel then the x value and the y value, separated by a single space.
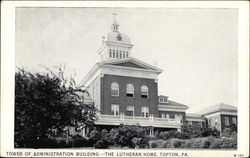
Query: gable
pixel 129 64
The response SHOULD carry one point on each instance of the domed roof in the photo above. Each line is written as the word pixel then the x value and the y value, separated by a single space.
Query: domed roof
pixel 118 38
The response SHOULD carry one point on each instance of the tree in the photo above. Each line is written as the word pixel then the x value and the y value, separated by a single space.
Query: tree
pixel 45 105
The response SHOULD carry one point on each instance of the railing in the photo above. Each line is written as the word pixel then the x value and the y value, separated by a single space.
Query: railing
pixel 144 121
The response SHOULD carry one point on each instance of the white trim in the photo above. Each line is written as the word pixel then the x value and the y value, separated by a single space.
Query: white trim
pixel 131 68
pixel 167 109
pixel 128 73
pixel 171 106
pixel 135 61
pixel 196 119
pixel 221 113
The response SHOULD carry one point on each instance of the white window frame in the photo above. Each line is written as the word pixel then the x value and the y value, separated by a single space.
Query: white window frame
pixel 130 89
pixel 145 111
pixel 226 121
pixel 144 91
pixel 190 124
pixel 234 120
pixel 200 124
pixel 163 99
pixel 113 53
pixel 115 109
pixel 131 108
pixel 114 89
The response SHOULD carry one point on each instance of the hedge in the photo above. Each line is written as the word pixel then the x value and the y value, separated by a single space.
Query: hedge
pixel 196 143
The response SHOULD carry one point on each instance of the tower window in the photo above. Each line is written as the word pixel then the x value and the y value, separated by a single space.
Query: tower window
pixel 145 111
pixel 114 89
pixel 116 53
pixel 113 53
pixel 130 90
pixel 110 53
pixel 144 91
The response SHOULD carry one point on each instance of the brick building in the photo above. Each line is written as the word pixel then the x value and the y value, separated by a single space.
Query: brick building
pixel 125 90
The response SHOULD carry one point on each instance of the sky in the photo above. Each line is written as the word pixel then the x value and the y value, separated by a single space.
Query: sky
pixel 195 48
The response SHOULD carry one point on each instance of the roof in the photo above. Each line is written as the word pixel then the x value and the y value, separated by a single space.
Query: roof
pixel 136 65
pixel 193 115
pixel 172 103
pixel 112 37
pixel 217 108
pixel 139 63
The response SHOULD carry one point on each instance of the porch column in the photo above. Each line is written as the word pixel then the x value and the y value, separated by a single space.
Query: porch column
pixel 179 129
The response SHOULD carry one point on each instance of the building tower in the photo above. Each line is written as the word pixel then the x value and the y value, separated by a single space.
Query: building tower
pixel 117 45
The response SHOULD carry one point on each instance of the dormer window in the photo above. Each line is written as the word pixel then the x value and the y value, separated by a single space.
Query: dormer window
pixel 163 99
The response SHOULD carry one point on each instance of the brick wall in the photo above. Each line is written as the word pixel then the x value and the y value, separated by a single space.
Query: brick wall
pixel 122 100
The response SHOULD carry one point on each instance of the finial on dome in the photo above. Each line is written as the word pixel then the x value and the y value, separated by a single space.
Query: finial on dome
pixel 115 25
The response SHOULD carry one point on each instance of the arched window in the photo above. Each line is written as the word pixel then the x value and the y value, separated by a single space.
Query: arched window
pixel 110 53
pixel 114 89
pixel 120 54
pixel 116 53
pixel 113 53
pixel 130 90
pixel 144 91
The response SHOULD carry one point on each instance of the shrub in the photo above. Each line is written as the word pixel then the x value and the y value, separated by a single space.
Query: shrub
pixel 156 143
pixel 229 143
pixel 101 144
pixel 216 143
pixel 79 141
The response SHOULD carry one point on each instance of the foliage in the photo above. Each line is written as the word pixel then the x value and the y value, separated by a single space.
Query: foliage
pixel 194 143
pixel 45 105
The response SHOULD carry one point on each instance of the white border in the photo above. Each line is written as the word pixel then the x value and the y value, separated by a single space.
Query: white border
pixel 8 66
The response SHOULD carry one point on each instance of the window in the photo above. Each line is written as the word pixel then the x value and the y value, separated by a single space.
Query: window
pixel 116 53
pixel 123 54
pixel 130 111
pixel 162 115
pixel 120 54
pixel 144 91
pixel 226 121
pixel 115 110
pixel 126 54
pixel 114 89
pixel 145 111
pixel 113 53
pixel 200 124
pixel 190 124
pixel 161 100
pixel 234 122
pixel 110 53
pixel 130 90
pixel 165 100
pixel 172 116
